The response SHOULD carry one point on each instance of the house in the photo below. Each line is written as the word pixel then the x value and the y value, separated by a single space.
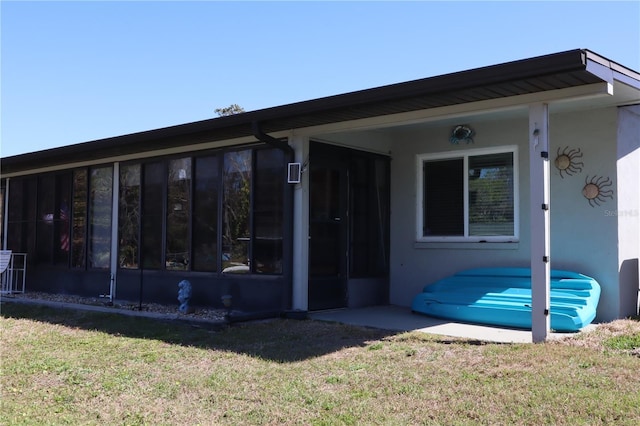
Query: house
pixel 351 200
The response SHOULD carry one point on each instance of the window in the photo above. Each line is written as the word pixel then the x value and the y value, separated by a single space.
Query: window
pixel 268 211
pixel 21 229
pixel 53 219
pixel 100 205
pixel 221 212
pixel 45 219
pixel 205 214
pixel 236 218
pixel 152 215
pixel 62 232
pixel 79 227
pixel 178 214
pixel 129 216
pixel 63 219
pixel 470 196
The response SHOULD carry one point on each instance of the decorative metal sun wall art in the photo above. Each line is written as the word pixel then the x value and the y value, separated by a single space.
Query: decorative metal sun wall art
pixel 596 190
pixel 567 161
pixel 462 133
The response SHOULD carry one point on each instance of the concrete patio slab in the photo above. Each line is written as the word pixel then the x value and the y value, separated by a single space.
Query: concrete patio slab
pixel 389 317
pixel 398 318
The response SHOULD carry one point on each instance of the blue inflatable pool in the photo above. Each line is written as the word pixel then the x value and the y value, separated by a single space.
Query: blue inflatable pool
pixel 502 297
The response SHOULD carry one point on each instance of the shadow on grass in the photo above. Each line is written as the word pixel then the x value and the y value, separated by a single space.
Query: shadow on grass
pixel 280 340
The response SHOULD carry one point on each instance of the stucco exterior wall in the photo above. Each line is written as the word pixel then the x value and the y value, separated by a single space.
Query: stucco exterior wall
pixel 628 209
pixel 584 235
pixel 584 238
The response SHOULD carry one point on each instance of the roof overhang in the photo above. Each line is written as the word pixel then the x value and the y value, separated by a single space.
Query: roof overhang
pixel 561 78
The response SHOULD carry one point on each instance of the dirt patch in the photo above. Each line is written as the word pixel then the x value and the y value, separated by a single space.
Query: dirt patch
pixel 596 338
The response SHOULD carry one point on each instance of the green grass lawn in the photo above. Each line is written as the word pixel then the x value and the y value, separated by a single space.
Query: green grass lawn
pixel 72 367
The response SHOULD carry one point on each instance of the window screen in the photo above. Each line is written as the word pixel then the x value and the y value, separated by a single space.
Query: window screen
pixel 491 194
pixel 129 216
pixel 205 214
pixel 177 255
pixel 100 204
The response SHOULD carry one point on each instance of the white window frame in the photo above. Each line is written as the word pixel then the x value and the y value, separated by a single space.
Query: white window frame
pixel 464 155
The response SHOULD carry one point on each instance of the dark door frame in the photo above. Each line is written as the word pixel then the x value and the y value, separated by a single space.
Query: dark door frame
pixel 352 270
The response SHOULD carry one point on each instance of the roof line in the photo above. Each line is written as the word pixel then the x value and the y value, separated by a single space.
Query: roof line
pixel 565 69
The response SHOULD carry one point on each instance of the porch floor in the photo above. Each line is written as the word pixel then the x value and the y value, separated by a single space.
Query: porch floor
pixel 388 317
pixel 398 318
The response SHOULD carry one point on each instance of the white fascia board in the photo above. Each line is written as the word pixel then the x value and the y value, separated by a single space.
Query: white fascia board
pixel 182 149
pixel 611 71
pixel 481 107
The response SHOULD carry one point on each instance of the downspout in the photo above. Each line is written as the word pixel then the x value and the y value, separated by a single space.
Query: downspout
pixel 290 153
pixel 276 143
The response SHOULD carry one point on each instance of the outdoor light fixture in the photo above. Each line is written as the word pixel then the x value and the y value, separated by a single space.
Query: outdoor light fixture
pixel 293 173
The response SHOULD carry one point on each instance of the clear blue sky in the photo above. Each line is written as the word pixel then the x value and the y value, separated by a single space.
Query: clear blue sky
pixel 73 72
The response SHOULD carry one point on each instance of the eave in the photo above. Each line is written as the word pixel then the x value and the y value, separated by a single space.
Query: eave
pixel 575 68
